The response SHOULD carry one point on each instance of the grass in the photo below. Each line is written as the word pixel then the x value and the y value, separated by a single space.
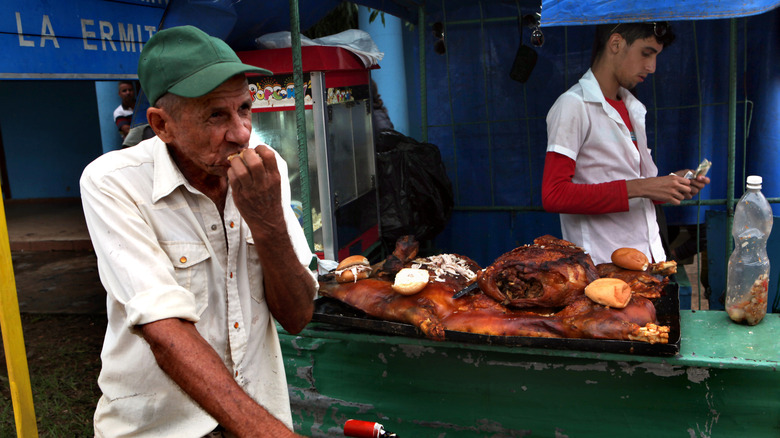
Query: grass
pixel 63 357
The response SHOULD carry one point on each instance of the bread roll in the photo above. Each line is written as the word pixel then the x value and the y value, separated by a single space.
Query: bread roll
pixel 352 268
pixel 409 281
pixel 612 292
pixel 238 154
pixel 630 258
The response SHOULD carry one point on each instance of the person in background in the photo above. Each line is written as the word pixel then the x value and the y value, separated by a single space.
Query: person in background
pixel 123 114
pixel 598 173
pixel 199 252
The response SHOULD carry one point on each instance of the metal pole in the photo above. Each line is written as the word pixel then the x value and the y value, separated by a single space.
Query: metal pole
pixel 13 340
pixel 732 140
pixel 300 122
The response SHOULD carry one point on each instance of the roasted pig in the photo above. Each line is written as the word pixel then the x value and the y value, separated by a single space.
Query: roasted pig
pixel 406 248
pixel 547 278
pixel 433 310
pixel 642 283
pixel 550 273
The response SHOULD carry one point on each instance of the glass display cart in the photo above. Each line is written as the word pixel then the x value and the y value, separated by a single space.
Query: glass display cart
pixel 341 168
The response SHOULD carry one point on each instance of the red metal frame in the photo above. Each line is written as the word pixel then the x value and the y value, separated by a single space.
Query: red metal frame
pixel 314 58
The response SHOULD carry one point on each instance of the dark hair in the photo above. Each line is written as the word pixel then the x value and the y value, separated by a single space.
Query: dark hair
pixel 631 32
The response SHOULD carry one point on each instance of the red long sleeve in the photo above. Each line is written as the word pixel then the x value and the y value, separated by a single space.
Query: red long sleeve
pixel 561 195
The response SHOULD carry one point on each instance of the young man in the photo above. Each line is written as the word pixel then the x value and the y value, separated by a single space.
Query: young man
pixel 199 252
pixel 123 114
pixel 598 172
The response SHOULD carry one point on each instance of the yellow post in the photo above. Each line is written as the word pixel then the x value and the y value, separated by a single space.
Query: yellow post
pixel 13 340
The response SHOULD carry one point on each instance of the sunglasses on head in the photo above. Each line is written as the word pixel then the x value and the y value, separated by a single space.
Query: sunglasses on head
pixel 659 28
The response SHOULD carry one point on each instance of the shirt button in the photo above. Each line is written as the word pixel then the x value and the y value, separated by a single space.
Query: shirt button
pixel 213 228
pixel 232 224
pixel 231 275
pixel 235 325
pixel 183 259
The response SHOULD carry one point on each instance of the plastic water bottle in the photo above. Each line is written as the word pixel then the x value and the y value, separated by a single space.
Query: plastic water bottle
pixel 748 272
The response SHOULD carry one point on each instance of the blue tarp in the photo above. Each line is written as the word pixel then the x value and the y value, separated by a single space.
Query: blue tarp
pixel 574 12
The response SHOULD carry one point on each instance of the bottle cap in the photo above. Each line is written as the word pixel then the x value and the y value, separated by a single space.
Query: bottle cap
pixel 754 182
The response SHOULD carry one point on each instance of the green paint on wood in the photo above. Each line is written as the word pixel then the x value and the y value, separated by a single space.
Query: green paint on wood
pixel 724 383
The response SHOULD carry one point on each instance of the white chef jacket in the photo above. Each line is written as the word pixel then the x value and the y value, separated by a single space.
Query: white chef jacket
pixel 164 252
pixel 583 126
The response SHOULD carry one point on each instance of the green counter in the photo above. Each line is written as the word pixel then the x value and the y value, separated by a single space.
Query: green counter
pixel 723 383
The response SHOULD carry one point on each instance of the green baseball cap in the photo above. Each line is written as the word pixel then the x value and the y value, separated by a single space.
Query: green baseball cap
pixel 188 62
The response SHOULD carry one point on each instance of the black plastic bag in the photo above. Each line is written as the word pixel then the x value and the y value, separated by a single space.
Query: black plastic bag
pixel 415 193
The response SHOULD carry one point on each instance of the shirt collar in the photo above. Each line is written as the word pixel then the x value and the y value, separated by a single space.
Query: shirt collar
pixel 591 92
pixel 167 176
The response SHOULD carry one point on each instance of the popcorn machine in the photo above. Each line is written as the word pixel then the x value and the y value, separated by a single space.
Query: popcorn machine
pixel 340 145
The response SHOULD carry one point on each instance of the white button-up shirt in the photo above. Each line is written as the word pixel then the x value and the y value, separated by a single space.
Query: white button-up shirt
pixel 164 252
pixel 584 127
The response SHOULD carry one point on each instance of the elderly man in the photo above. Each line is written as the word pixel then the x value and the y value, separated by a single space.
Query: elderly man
pixel 199 252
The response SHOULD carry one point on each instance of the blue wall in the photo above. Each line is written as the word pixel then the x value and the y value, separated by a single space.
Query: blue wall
pixel 491 129
pixel 50 133
pixel 391 77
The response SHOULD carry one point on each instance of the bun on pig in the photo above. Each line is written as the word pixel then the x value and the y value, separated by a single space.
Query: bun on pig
pixel 612 292
pixel 630 258
pixel 409 281
pixel 352 268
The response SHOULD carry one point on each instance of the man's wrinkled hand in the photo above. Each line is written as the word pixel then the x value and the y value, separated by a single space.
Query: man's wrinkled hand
pixel 256 183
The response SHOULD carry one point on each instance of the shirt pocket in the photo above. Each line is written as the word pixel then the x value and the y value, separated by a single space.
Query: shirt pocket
pixel 254 272
pixel 190 268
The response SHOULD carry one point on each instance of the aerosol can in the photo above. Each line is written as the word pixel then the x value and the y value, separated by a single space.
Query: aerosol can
pixel 366 429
